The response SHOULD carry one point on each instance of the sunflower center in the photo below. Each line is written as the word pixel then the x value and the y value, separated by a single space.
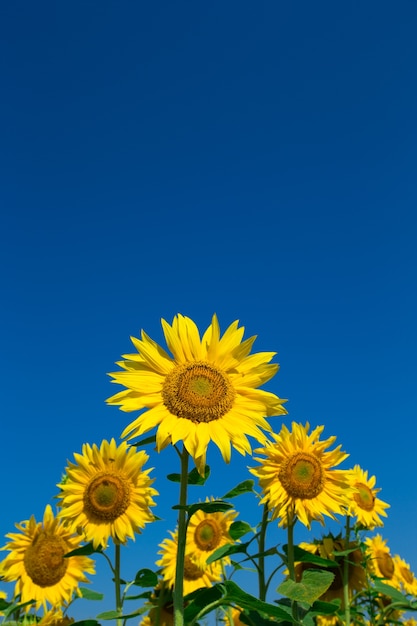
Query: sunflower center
pixel 191 569
pixel 385 564
pixel 364 497
pixel 106 497
pixel 44 560
pixel 207 535
pixel 302 476
pixel 198 392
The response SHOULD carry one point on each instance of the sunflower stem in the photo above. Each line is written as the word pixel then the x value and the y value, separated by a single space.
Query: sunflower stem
pixel 346 600
pixel 117 581
pixel 178 595
pixel 291 520
pixel 261 561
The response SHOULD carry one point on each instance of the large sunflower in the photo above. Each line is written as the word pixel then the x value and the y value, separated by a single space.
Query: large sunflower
pixel 365 506
pixel 106 493
pixel 207 532
pixel 207 391
pixel 36 562
pixel 297 476
pixel 197 574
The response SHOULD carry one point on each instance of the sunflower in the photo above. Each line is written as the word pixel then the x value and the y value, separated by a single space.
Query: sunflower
pixel 380 561
pixel 405 576
pixel 208 531
pixel 326 549
pixel 106 493
pixel 365 506
pixel 36 562
pixel 197 574
pixel 297 478
pixel 207 391
pixel 55 617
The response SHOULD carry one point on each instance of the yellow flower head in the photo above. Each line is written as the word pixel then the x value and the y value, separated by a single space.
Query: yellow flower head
pixel 297 476
pixel 197 574
pixel 405 576
pixel 106 493
pixel 207 532
pixel 36 562
pixel 207 391
pixel 379 560
pixel 364 505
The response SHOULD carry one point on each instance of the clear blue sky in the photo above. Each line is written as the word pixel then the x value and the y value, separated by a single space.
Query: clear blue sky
pixel 257 160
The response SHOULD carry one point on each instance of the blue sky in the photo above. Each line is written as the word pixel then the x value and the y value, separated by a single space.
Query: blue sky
pixel 257 161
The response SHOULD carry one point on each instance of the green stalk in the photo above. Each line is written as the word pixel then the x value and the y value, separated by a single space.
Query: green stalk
pixel 117 581
pixel 261 560
pixel 346 573
pixel 178 595
pixel 291 520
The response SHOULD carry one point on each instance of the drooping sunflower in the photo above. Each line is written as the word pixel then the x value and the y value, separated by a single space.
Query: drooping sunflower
pixel 379 560
pixel 208 531
pixel 326 549
pixel 36 562
pixel 297 476
pixel 405 576
pixel 55 617
pixel 107 493
pixel 207 391
pixel 197 574
pixel 364 505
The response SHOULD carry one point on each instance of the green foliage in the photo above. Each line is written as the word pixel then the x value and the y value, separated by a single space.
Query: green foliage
pixel 244 487
pixel 87 550
pixel 146 578
pixel 89 594
pixel 312 585
pixel 194 478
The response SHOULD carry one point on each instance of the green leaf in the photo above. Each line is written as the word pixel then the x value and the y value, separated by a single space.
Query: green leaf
pixel 253 618
pixel 243 487
pixel 144 442
pixel 215 506
pixel 312 585
pixel 226 550
pixel 199 600
pixel 306 557
pixel 16 606
pixel 193 478
pixel 238 529
pixel 86 622
pixel 84 551
pixel 246 601
pixel 146 578
pixel 109 615
pixel 89 594
pixel 4 604
pixel 325 608
pixel 389 591
pixel 139 596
